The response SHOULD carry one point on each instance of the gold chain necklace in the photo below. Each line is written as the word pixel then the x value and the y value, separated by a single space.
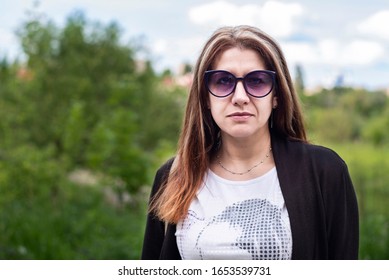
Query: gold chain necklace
pixel 248 170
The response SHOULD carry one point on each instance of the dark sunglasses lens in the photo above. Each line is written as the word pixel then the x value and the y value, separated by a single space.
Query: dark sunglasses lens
pixel 259 83
pixel 221 83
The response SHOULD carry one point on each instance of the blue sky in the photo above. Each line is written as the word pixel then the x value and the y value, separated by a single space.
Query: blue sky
pixel 327 37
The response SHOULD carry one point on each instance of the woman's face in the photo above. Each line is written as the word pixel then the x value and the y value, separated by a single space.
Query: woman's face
pixel 241 115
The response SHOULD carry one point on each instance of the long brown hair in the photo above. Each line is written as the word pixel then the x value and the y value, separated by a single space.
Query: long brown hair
pixel 199 134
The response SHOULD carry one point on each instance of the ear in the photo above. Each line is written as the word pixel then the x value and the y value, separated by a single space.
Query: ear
pixel 275 102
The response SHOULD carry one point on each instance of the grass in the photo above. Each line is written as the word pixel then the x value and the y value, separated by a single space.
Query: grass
pixel 78 225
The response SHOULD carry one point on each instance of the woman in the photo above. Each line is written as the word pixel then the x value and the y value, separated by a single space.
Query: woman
pixel 245 183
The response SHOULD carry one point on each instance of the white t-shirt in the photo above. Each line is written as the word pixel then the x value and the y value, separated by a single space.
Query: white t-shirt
pixel 236 220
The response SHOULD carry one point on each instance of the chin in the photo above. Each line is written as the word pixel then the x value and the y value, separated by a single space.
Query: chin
pixel 241 134
pixel 246 131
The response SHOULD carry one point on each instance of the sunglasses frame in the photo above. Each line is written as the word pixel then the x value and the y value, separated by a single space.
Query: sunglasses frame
pixel 208 73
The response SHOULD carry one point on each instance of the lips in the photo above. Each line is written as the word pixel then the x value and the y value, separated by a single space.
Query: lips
pixel 240 114
pixel 240 117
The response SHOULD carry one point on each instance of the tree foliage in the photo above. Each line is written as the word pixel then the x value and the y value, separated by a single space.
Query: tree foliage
pixel 79 101
pixel 87 100
pixel 348 114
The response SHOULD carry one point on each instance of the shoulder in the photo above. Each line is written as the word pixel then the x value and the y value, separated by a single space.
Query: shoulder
pixel 162 175
pixel 319 153
pixel 299 153
pixel 312 167
pixel 324 163
pixel 164 169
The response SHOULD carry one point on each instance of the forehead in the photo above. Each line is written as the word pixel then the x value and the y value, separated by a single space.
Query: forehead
pixel 239 59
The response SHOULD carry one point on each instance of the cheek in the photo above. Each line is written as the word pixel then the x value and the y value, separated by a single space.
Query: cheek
pixel 213 104
pixel 266 105
pixel 263 108
pixel 217 109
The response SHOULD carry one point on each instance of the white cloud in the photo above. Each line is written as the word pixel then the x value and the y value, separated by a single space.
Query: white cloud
pixel 361 52
pixel 356 52
pixel 297 53
pixel 276 18
pixel 173 52
pixel 376 25
pixel 333 52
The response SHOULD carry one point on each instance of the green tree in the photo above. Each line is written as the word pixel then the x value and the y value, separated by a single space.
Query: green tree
pixel 376 129
pixel 299 81
pixel 79 102
pixel 85 98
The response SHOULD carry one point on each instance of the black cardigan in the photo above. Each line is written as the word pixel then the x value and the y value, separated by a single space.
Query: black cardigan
pixel 318 194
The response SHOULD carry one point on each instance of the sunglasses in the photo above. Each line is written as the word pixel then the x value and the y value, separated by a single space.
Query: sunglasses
pixel 258 83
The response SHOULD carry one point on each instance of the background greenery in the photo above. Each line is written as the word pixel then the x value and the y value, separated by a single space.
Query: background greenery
pixel 84 125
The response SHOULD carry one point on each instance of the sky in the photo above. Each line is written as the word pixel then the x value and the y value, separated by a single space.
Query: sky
pixel 328 38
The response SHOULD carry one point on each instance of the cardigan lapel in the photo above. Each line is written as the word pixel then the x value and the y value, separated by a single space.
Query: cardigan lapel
pixel 289 160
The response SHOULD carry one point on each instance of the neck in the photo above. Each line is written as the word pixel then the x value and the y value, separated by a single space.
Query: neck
pixel 243 158
pixel 244 149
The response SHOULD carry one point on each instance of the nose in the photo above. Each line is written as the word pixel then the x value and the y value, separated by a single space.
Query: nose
pixel 240 96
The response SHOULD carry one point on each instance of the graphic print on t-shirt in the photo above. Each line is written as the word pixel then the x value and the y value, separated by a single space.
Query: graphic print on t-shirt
pixel 256 226
pixel 236 220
